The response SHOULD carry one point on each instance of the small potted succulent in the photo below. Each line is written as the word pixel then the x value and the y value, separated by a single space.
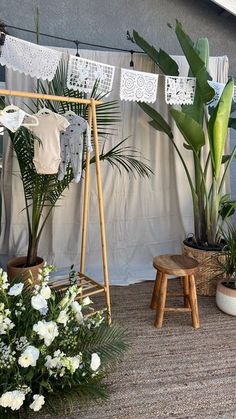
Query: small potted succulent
pixel 226 288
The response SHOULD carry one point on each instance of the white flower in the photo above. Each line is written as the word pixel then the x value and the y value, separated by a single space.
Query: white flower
pixel 95 362
pixel 46 330
pixel 13 399
pixel 37 403
pixel 63 317
pixel 86 301
pixel 72 363
pixel 39 303
pixel 16 289
pixel 76 309
pixel 29 357
pixel 46 292
pixel 3 281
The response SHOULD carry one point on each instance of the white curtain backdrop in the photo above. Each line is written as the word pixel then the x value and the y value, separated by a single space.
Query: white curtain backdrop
pixel 144 217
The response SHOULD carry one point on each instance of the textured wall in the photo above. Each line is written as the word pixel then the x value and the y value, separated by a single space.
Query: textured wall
pixel 106 22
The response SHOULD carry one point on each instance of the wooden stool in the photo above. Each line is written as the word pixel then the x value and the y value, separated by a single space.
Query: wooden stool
pixel 181 266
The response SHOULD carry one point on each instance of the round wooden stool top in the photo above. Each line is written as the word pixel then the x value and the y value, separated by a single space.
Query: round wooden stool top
pixel 179 265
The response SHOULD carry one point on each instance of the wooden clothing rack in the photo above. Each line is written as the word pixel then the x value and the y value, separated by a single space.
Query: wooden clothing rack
pixel 89 286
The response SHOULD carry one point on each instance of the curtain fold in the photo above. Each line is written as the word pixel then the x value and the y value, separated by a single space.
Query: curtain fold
pixel 143 217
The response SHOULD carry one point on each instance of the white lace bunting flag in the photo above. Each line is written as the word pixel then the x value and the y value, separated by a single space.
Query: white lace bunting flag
pixel 138 86
pixel 218 87
pixel 82 75
pixel 28 58
pixel 179 90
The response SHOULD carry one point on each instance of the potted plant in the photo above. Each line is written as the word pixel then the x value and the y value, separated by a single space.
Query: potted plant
pixel 226 288
pixel 42 192
pixel 202 131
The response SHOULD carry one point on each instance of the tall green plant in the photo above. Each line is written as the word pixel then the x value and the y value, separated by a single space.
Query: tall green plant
pixel 200 130
pixel 42 192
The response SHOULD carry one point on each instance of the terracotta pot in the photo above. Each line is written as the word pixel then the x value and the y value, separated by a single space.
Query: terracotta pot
pixel 16 268
pixel 226 299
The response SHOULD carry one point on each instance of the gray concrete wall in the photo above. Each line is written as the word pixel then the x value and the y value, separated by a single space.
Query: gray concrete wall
pixel 106 22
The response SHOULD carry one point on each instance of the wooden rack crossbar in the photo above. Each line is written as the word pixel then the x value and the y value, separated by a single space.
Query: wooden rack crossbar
pixel 91 286
pixel 33 95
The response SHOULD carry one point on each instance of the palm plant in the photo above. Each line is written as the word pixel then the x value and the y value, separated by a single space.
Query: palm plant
pixel 42 192
pixel 201 131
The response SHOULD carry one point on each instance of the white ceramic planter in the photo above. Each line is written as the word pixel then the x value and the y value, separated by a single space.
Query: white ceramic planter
pixel 226 299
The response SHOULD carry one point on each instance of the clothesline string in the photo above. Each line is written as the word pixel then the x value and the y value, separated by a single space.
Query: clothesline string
pixel 74 40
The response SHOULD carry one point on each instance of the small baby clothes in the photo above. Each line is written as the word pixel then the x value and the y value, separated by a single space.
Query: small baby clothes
pixel 12 120
pixel 47 150
pixel 72 146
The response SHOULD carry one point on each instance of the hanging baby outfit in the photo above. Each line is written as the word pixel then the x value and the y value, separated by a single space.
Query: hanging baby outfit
pixel 12 120
pixel 72 146
pixel 47 150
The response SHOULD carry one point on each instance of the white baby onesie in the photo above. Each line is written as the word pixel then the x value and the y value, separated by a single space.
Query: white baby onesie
pixel 12 120
pixel 72 146
pixel 47 150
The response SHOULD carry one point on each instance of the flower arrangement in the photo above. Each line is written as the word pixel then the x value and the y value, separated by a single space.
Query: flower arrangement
pixel 48 345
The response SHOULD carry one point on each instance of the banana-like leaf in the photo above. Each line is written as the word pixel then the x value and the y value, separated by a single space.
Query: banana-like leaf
pixel 196 111
pixel 158 122
pixel 196 64
pixel 190 129
pixel 218 127
pixel 161 58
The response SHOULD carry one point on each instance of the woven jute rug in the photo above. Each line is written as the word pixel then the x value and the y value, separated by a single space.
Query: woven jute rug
pixel 175 372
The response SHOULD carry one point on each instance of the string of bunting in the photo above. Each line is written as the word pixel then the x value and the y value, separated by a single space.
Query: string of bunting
pixel 42 62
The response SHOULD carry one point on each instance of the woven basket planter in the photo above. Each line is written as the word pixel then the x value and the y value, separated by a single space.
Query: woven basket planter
pixel 208 275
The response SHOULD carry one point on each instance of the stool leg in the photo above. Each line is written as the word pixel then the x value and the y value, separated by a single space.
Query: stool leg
pixel 193 302
pixel 155 292
pixel 161 301
pixel 186 291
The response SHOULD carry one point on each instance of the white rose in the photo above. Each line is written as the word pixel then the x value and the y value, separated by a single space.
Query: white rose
pixel 16 289
pixel 29 357
pixel 37 403
pixel 13 399
pixel 39 303
pixel 46 292
pixel 63 317
pixel 46 330
pixel 95 362
pixel 5 283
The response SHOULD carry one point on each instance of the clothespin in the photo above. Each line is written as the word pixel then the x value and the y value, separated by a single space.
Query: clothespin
pixel 131 64
pixel 77 48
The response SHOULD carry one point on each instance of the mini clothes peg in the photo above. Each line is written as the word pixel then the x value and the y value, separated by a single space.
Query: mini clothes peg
pixel 131 64
pixel 77 48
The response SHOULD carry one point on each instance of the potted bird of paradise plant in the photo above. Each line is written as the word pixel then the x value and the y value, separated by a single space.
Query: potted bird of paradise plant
pixel 204 133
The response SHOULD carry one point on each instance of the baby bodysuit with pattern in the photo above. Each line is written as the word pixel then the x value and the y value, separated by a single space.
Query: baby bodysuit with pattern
pixel 47 155
pixel 72 146
pixel 12 120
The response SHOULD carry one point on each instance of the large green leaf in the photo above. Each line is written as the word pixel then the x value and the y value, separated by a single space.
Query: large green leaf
pixel 196 111
pixel 190 129
pixel 161 58
pixel 218 127
pixel 196 64
pixel 158 122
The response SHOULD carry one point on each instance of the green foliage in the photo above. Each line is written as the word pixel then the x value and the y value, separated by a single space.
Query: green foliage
pixel 227 265
pixel 202 129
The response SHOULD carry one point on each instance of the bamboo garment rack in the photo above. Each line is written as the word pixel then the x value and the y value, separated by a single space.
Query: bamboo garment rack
pixel 89 286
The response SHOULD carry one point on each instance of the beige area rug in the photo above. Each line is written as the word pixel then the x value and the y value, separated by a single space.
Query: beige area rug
pixel 175 372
